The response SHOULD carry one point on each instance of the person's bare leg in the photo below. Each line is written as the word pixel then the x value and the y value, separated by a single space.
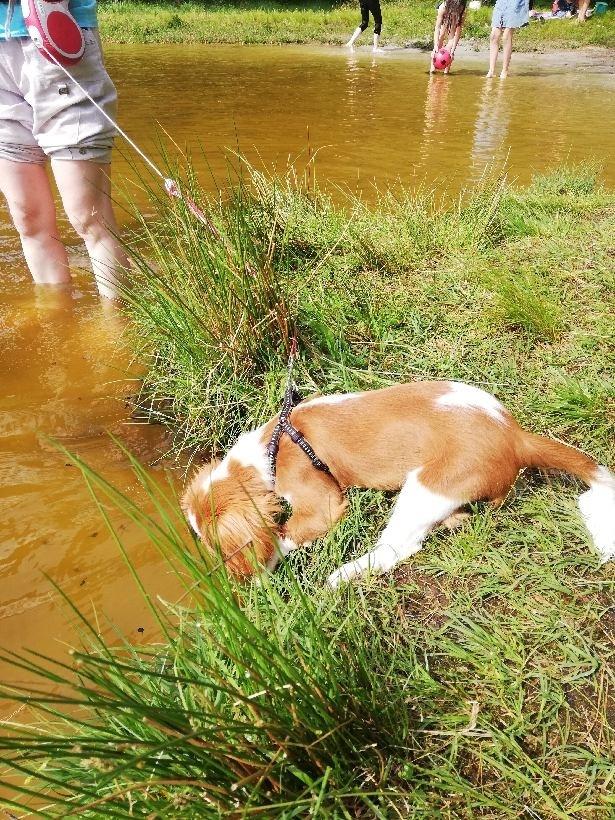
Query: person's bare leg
pixel 356 33
pixel 582 11
pixel 494 47
pixel 449 48
pixel 506 52
pixel 30 200
pixel 85 188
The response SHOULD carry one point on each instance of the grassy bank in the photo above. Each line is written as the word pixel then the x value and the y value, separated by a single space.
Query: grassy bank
pixel 405 23
pixel 505 288
pixel 477 682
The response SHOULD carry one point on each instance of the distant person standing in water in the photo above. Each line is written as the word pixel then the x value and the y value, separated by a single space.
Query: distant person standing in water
pixel 368 6
pixel 508 15
pixel 449 23
pixel 45 116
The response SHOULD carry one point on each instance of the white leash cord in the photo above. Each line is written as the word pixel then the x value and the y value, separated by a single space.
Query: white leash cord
pixel 133 144
pixel 170 185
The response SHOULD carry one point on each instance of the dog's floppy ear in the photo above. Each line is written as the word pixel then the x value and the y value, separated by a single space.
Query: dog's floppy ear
pixel 234 515
pixel 244 523
pixel 194 502
pixel 244 538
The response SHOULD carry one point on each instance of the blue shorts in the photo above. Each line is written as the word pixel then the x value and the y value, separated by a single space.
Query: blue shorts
pixel 510 14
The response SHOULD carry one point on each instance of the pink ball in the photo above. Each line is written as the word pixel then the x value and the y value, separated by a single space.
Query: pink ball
pixel 442 59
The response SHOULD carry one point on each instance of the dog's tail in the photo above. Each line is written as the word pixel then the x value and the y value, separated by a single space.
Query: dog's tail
pixel 597 505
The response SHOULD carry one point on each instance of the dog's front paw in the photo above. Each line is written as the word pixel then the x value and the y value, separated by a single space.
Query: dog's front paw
pixel 335 579
pixel 341 576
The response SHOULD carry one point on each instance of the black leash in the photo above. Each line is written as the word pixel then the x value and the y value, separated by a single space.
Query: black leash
pixel 292 398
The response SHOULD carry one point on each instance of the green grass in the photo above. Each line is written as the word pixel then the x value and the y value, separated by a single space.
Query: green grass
pixel 405 23
pixel 476 681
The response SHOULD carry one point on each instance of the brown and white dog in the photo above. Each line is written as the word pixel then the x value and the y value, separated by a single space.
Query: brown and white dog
pixel 443 444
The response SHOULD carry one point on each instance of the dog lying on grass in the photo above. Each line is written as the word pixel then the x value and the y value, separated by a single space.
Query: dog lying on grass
pixel 442 444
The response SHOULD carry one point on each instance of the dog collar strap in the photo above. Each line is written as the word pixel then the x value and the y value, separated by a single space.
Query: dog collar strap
pixel 291 399
pixel 54 31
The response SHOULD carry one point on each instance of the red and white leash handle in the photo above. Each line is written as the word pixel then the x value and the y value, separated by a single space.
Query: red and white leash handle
pixel 54 31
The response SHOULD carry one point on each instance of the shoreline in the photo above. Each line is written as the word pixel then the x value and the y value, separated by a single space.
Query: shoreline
pixel 480 49
pixel 601 58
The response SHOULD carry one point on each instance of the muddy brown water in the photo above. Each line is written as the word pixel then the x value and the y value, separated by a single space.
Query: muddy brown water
pixel 370 118
pixel 374 120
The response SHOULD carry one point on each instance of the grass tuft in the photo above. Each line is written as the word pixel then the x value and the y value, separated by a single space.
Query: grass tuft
pixel 523 303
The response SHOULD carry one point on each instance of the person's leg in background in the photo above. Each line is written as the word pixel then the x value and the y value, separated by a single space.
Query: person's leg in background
pixel 506 51
pixel 377 15
pixel 582 11
pixel 364 23
pixel 494 47
pixel 85 188
pixel 29 197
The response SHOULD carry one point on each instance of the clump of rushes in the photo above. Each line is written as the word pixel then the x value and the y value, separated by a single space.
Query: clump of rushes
pixel 212 297
pixel 523 304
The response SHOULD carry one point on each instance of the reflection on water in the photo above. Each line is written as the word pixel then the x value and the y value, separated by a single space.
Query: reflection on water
pixel 491 127
pixel 378 117
pixel 435 125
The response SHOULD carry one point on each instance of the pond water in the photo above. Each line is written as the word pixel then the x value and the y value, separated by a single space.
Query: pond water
pixel 370 118
pixel 373 120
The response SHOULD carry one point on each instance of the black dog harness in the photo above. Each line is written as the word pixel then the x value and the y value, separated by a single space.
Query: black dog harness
pixel 291 400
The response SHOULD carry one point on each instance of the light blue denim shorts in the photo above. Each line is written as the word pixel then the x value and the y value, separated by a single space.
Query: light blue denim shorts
pixel 510 14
